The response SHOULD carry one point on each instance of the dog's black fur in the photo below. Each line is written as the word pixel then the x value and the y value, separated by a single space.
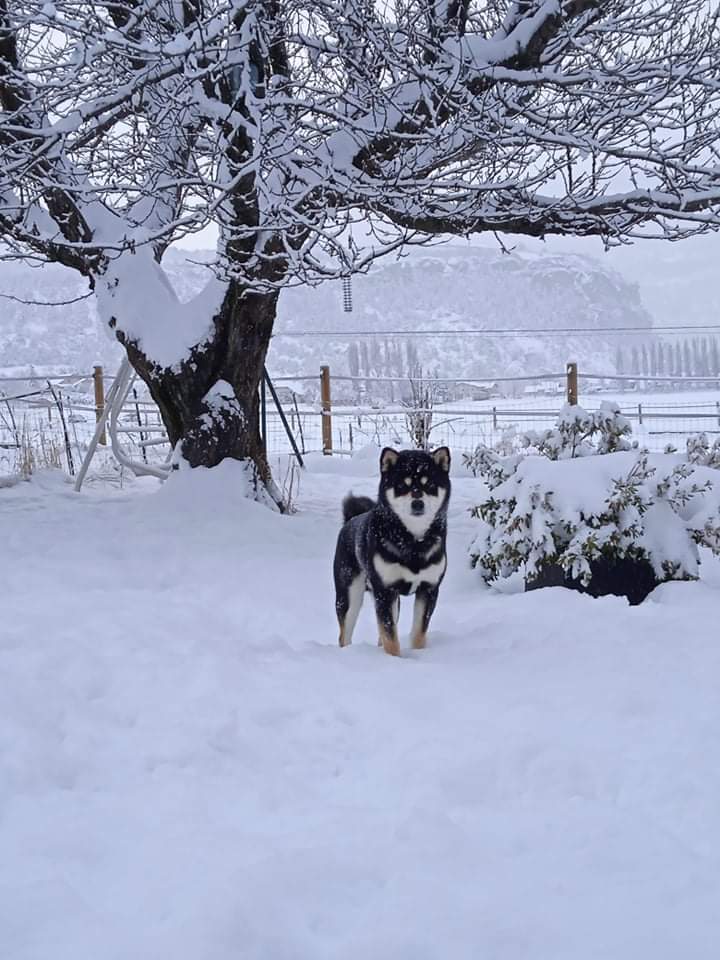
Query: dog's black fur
pixel 395 546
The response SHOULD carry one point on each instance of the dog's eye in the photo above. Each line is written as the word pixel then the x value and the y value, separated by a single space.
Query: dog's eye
pixel 408 481
pixel 423 480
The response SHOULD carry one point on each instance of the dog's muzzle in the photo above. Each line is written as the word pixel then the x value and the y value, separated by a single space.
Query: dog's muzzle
pixel 417 507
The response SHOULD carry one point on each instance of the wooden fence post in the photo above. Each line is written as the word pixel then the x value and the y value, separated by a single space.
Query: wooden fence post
pixel 326 407
pixel 99 399
pixel 572 384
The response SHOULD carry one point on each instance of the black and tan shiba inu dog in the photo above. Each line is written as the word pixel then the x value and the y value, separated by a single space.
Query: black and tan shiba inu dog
pixel 396 546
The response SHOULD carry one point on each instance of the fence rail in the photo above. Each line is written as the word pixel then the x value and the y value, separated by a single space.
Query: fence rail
pixel 55 415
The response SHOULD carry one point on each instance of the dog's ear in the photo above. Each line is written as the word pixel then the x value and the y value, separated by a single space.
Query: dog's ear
pixel 441 456
pixel 388 458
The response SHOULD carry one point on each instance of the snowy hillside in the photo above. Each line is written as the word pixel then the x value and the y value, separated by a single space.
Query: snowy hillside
pixel 454 287
pixel 445 287
pixel 68 336
pixel 190 768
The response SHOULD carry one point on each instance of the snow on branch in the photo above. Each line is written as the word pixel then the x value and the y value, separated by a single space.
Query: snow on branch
pixel 130 124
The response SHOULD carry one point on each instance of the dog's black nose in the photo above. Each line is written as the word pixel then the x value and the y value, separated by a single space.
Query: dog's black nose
pixel 417 506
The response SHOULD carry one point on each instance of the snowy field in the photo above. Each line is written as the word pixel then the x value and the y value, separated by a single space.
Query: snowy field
pixel 190 768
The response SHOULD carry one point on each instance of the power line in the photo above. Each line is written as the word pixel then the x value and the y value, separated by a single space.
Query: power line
pixel 670 329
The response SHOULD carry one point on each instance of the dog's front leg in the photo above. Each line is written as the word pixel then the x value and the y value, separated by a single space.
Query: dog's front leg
pixel 425 600
pixel 386 608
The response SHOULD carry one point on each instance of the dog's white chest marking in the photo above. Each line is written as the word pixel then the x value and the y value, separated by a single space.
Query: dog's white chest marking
pixel 391 573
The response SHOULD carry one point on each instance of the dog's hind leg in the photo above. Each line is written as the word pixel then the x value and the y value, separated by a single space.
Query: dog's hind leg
pixel 387 606
pixel 348 607
pixel 425 600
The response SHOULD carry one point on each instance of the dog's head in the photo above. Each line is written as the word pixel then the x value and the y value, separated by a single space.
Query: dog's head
pixel 415 485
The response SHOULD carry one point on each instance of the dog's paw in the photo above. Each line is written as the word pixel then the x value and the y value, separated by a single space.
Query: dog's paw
pixel 391 647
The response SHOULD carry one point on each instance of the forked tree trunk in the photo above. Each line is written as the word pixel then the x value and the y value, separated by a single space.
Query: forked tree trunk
pixel 210 405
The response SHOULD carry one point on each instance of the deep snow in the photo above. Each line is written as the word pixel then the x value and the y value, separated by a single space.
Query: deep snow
pixel 190 768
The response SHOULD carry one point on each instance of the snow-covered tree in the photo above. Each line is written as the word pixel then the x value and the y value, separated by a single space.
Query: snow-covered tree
pixel 353 359
pixel 619 360
pixel 705 356
pixel 714 358
pixel 125 125
pixel 645 359
pixel 687 359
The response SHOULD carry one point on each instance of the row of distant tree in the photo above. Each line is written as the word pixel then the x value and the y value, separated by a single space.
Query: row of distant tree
pixel 379 357
pixel 375 357
pixel 685 357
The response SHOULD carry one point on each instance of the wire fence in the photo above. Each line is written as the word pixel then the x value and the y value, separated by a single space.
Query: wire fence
pixel 654 426
pixel 49 420
pixel 663 411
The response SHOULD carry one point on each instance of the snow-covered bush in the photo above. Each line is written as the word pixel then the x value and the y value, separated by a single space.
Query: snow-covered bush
pixel 571 513
pixel 580 513
pixel 420 406
pixel 580 504
pixel 581 433
pixel 577 433
pixel 703 453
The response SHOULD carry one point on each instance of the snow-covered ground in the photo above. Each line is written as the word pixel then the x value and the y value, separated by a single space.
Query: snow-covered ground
pixel 190 768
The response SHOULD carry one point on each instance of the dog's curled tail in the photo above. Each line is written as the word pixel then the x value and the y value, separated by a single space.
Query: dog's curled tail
pixel 353 506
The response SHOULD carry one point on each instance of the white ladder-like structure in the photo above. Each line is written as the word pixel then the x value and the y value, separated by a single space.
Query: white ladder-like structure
pixel 114 402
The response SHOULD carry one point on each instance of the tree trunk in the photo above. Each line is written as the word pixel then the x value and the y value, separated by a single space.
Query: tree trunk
pixel 210 403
